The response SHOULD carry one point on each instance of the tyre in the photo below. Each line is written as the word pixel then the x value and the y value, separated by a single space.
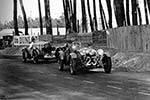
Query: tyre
pixel 72 66
pixel 24 56
pixel 107 64
pixel 61 64
pixel 57 54
pixel 35 57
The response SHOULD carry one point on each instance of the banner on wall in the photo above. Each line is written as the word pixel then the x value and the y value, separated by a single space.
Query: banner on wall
pixel 24 40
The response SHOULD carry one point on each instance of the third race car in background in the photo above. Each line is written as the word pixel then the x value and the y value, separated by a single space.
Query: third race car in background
pixel 39 51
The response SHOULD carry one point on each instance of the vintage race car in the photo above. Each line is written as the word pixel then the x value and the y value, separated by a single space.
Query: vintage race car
pixel 40 50
pixel 85 58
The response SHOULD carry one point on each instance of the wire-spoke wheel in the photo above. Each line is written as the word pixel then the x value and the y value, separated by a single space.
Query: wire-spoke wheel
pixel 35 57
pixel 107 64
pixel 61 64
pixel 72 66
pixel 24 56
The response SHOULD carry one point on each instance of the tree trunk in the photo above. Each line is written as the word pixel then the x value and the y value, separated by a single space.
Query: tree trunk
pixel 24 17
pixel 90 17
pixel 84 20
pixel 127 13
pixel 119 12
pixel 58 33
pixel 70 6
pixel 15 18
pixel 66 14
pixel 95 17
pixel 139 13
pixel 104 17
pixel 134 12
pixel 109 13
pixel 74 16
pixel 140 18
pixel 70 15
pixel 69 12
pixel 48 17
pixel 148 2
pixel 40 18
pixel 102 14
pixel 146 12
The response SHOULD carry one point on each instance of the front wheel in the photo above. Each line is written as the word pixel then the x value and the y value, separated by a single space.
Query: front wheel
pixel 24 56
pixel 107 64
pixel 72 66
pixel 35 57
pixel 61 64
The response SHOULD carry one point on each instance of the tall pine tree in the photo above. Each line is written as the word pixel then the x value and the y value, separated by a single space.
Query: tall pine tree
pixel 48 17
pixel 24 17
pixel 119 12
pixel 84 19
pixel 109 12
pixel 15 17
pixel 134 12
pixel 40 18
pixel 90 16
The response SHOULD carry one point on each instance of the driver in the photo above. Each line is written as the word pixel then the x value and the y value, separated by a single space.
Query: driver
pixel 48 48
pixel 31 46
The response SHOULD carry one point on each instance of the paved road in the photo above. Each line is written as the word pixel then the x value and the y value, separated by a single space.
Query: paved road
pixel 43 81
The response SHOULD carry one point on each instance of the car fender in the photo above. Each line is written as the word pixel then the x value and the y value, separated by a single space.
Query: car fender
pixel 107 54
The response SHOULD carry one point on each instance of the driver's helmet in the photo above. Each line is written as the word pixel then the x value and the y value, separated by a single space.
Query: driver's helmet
pixel 32 39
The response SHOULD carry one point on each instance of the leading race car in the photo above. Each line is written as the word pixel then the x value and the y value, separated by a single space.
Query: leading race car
pixel 83 58
pixel 39 50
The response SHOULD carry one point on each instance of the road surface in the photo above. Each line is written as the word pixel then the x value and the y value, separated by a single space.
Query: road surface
pixel 43 81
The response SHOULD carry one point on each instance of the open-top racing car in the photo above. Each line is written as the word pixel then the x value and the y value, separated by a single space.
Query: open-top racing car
pixel 39 50
pixel 85 58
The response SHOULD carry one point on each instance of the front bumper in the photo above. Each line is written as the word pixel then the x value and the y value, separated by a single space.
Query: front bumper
pixel 49 56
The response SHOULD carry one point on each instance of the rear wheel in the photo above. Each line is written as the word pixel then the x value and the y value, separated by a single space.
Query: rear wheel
pixel 107 64
pixel 72 66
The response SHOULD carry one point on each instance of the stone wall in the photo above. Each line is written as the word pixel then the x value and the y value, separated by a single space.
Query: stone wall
pixel 45 38
pixel 97 38
pixel 100 38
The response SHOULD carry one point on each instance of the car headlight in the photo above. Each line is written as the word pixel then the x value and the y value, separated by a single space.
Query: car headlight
pixel 82 51
pixel 92 52
pixel 100 52
pixel 87 51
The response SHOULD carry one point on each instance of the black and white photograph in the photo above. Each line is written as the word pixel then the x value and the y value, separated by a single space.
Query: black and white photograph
pixel 74 49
